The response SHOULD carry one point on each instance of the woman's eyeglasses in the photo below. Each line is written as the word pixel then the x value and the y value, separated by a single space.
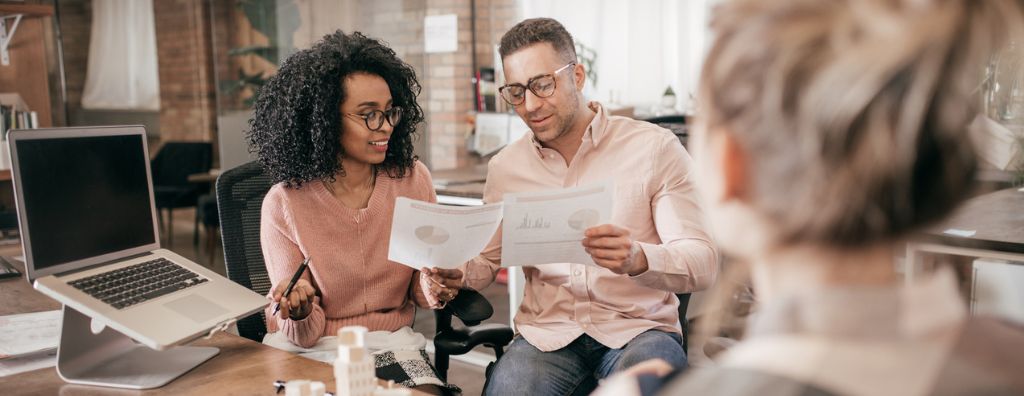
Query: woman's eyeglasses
pixel 543 86
pixel 374 120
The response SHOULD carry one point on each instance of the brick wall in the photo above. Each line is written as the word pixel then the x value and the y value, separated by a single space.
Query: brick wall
pixel 447 96
pixel 184 50
pixel 76 29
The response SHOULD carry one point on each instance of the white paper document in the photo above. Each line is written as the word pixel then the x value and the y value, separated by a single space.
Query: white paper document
pixel 27 363
pixel 26 334
pixel 431 235
pixel 547 227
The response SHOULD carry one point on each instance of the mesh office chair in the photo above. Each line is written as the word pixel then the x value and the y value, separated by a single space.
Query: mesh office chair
pixel 240 193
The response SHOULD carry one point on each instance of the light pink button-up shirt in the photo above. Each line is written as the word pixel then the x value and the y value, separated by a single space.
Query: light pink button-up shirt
pixel 654 199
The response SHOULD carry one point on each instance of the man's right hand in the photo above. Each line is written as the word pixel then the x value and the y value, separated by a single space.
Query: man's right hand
pixel 298 304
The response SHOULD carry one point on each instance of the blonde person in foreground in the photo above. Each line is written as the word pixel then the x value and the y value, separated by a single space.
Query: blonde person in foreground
pixel 831 130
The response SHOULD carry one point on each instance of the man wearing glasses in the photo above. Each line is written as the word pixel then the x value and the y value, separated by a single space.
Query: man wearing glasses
pixel 579 323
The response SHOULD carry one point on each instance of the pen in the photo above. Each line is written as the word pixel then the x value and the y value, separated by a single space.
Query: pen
pixel 291 284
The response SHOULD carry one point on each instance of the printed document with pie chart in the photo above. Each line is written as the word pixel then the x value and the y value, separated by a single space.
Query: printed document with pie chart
pixel 547 227
pixel 431 235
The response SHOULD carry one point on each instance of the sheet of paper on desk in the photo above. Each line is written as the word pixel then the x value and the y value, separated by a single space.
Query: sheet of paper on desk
pixel 26 334
pixel 547 227
pixel 431 235
pixel 27 363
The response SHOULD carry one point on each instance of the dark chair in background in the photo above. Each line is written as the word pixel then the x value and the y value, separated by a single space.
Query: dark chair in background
pixel 206 214
pixel 240 193
pixel 675 123
pixel 171 167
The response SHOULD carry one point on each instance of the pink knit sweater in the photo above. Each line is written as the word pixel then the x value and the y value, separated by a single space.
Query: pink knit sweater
pixel 348 251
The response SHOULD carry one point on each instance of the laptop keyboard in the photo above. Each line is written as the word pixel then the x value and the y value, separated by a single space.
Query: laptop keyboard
pixel 134 284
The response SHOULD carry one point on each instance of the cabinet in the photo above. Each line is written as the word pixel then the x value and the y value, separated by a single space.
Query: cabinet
pixel 27 67
pixel 28 33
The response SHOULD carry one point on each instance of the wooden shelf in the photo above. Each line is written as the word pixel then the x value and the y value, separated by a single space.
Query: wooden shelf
pixel 26 10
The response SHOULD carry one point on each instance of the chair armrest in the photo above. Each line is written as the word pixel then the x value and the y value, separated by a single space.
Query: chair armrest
pixel 470 307
pixel 460 341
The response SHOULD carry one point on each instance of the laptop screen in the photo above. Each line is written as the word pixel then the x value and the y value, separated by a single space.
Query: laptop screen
pixel 82 197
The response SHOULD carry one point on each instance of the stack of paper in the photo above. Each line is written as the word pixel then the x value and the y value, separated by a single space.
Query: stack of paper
pixel 28 341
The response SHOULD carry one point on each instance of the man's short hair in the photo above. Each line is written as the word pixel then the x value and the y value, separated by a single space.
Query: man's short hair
pixel 538 30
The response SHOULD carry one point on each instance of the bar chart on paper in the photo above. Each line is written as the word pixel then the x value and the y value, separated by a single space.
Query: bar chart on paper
pixel 547 227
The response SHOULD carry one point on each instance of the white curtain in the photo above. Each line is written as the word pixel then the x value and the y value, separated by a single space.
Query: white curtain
pixel 643 46
pixel 122 71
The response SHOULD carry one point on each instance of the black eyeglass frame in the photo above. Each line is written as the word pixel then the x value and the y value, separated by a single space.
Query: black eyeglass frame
pixel 530 86
pixel 385 115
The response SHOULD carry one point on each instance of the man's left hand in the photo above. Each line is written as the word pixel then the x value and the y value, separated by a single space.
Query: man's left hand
pixel 612 247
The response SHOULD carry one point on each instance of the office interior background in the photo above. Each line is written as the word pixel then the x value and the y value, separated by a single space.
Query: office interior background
pixel 188 70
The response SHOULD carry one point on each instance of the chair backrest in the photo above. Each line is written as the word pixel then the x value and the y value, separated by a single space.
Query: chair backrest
pixel 240 193
pixel 176 160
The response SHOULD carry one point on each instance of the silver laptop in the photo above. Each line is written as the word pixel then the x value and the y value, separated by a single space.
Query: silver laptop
pixel 90 237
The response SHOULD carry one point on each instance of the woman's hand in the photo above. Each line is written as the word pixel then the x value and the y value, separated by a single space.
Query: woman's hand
pixel 298 304
pixel 444 283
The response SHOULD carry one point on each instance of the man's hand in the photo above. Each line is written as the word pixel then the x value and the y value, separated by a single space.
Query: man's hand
pixel 444 283
pixel 298 304
pixel 612 248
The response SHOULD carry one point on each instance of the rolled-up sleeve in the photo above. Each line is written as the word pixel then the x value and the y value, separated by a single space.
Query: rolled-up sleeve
pixel 686 260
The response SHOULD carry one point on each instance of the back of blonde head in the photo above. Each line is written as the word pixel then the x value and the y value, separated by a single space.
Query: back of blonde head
pixel 853 113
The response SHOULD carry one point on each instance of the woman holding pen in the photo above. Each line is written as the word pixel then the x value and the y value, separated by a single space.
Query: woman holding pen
pixel 334 130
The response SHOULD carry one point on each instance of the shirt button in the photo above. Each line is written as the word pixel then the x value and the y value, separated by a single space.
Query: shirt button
pixel 578 272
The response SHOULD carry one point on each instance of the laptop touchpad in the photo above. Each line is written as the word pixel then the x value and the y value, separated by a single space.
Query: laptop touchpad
pixel 196 307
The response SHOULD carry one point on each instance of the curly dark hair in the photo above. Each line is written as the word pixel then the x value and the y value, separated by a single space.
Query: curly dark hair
pixel 296 130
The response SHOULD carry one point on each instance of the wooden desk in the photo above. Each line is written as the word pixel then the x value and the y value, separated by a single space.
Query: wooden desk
pixel 243 367
pixel 998 221
pixel 208 177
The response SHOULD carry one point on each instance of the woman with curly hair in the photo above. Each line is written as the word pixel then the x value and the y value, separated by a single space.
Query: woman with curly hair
pixel 334 130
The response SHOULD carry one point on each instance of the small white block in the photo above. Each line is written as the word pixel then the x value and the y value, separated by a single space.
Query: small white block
pixel 296 388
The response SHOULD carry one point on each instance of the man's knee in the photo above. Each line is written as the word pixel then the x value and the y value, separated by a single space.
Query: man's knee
pixel 524 369
pixel 507 376
pixel 653 344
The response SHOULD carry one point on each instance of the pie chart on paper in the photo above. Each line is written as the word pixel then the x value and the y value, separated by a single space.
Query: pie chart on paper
pixel 583 219
pixel 432 235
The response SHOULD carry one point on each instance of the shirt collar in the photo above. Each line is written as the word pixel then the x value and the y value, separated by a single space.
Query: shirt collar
pixel 896 312
pixel 595 132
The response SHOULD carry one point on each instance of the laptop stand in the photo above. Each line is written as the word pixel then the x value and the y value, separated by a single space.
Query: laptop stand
pixel 112 359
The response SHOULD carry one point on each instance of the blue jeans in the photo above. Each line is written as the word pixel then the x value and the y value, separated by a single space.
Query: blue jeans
pixel 576 368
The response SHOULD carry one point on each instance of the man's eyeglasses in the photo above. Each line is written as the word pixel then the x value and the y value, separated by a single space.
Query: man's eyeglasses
pixel 374 120
pixel 543 86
